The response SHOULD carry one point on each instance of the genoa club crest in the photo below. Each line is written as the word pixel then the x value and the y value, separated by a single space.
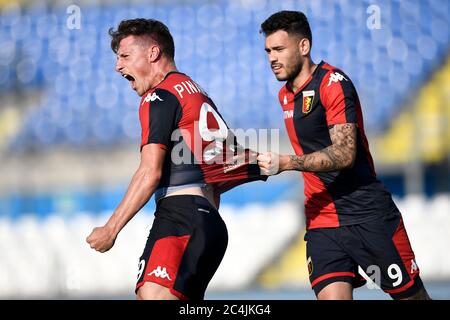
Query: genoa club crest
pixel 308 98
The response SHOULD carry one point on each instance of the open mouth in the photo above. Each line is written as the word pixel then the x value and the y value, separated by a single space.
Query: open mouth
pixel 128 77
pixel 276 67
pixel 131 79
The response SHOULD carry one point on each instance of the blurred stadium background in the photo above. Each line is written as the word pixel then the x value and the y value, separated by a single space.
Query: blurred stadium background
pixel 69 137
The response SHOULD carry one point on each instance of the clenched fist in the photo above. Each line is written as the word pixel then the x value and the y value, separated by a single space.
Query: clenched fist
pixel 101 239
pixel 272 163
pixel 269 163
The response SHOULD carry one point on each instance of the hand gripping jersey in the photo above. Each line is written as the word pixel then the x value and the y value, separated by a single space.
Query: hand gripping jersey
pixel 180 117
pixel 336 198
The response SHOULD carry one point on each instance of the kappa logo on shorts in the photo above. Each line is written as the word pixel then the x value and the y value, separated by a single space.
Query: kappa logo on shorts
pixel 160 272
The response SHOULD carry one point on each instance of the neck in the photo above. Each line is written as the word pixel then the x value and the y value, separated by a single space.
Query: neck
pixel 163 68
pixel 307 70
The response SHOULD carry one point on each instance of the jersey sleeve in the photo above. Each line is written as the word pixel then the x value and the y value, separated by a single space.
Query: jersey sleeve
pixel 339 97
pixel 159 115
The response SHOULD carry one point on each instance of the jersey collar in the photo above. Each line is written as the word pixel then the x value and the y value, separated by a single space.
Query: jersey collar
pixel 288 88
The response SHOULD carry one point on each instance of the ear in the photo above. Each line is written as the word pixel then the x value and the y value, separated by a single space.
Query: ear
pixel 154 52
pixel 304 46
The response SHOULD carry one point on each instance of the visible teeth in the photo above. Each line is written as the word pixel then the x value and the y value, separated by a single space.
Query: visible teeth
pixel 128 77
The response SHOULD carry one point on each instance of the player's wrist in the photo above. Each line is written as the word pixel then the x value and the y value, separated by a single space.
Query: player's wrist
pixel 112 229
pixel 284 162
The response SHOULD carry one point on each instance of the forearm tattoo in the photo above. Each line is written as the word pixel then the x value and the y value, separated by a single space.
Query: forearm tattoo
pixel 341 154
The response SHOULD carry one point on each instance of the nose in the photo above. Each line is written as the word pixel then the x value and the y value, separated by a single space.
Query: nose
pixel 272 57
pixel 119 65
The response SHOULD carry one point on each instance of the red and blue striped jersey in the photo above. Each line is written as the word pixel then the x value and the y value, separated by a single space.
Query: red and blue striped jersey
pixel 181 118
pixel 335 198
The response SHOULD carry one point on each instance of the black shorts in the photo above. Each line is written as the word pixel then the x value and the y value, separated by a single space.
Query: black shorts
pixel 185 246
pixel 380 247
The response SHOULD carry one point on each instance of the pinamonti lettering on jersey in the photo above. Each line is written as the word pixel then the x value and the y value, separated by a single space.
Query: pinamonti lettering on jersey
pixel 189 87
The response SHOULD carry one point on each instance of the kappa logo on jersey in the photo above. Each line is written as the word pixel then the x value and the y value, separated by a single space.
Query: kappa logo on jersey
pixel 152 97
pixel 160 272
pixel 288 114
pixel 285 100
pixel 335 77
pixel 308 98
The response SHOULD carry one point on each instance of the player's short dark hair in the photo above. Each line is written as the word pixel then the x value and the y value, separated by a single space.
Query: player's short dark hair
pixel 155 29
pixel 293 22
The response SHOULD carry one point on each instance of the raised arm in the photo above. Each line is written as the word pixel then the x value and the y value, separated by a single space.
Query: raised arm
pixel 142 185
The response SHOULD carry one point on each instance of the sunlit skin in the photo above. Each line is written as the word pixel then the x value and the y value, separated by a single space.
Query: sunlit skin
pixel 140 61
pixel 289 58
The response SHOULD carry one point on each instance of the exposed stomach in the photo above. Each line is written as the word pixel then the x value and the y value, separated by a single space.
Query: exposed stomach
pixel 205 192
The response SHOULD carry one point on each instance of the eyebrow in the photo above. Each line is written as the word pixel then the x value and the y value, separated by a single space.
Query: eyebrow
pixel 274 48
pixel 121 54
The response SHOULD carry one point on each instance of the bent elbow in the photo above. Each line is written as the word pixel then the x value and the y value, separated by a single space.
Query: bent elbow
pixel 350 162
pixel 151 177
pixel 156 177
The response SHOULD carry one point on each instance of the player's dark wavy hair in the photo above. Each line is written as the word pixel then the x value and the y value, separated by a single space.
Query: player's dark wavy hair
pixel 155 29
pixel 293 22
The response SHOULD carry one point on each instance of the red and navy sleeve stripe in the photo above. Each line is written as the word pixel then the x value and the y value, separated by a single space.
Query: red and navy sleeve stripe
pixel 159 118
pixel 339 98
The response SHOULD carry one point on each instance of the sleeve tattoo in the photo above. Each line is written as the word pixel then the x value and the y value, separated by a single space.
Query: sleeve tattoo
pixel 340 155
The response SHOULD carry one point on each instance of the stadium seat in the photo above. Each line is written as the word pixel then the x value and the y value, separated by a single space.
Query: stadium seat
pixel 219 46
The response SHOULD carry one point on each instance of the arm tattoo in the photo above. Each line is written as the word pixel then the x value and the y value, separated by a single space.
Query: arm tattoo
pixel 340 155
